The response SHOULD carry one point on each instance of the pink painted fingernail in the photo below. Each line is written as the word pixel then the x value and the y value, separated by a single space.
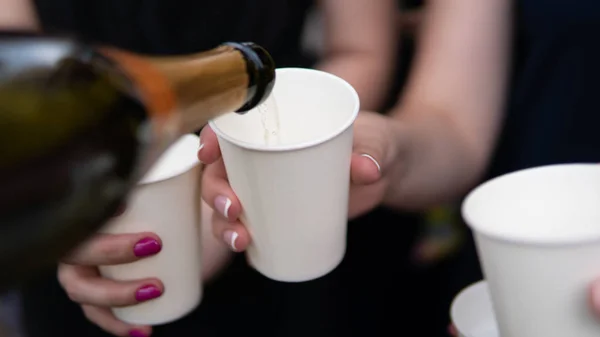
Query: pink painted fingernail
pixel 222 204
pixel 373 160
pixel 137 333
pixel 146 293
pixel 230 237
pixel 146 247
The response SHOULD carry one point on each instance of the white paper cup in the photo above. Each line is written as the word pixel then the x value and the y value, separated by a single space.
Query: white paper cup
pixel 166 202
pixel 538 238
pixel 294 193
pixel 472 313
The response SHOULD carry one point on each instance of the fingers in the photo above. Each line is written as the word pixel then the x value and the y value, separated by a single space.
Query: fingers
pixel 365 169
pixel 452 331
pixel 217 193
pixel 84 286
pixel 595 297
pixel 104 318
pixel 368 153
pixel 111 249
pixel 233 234
pixel 208 149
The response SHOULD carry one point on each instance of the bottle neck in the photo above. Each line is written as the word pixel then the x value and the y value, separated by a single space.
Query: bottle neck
pixel 182 93
pixel 206 84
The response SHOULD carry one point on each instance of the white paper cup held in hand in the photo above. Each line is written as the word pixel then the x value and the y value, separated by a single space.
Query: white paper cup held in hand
pixel 472 313
pixel 538 238
pixel 293 186
pixel 166 202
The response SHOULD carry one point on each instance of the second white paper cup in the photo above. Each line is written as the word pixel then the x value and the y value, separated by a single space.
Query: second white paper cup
pixel 538 236
pixel 472 313
pixel 166 202
pixel 293 186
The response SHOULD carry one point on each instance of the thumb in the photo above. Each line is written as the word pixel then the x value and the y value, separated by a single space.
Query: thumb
pixel 595 297
pixel 208 149
pixel 365 168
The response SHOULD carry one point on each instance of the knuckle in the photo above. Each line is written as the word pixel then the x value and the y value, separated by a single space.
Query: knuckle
pixel 218 223
pixel 62 274
pixel 68 283
pixel 73 293
pixel 114 297
pixel 112 250
pixel 89 313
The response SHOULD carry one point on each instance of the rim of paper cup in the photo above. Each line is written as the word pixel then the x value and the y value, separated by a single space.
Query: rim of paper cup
pixel 481 287
pixel 518 239
pixel 176 173
pixel 300 145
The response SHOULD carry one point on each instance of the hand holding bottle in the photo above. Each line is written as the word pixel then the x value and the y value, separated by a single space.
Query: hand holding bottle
pixel 81 123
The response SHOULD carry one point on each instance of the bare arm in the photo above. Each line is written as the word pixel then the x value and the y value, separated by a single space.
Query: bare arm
pixel 360 45
pixel 452 110
pixel 18 14
pixel 409 21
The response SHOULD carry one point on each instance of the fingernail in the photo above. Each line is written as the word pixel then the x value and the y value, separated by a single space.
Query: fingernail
pixel 373 160
pixel 230 237
pixel 137 333
pixel 146 247
pixel 146 293
pixel 222 205
pixel 200 147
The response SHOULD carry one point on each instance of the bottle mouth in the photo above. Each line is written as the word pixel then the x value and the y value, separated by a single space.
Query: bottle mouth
pixel 261 69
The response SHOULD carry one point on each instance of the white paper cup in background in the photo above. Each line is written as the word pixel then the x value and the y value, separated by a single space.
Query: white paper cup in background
pixel 538 237
pixel 472 313
pixel 294 188
pixel 166 202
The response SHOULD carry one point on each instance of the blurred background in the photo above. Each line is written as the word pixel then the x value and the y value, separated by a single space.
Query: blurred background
pixel 441 258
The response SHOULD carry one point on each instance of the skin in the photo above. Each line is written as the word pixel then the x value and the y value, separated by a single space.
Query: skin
pixel 434 146
pixel 437 141
pixel 360 39
pixel 18 14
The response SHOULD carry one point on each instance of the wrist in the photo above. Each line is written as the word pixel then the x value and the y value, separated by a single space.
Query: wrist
pixel 402 139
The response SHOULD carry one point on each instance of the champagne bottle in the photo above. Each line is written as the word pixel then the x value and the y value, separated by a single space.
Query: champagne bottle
pixel 80 124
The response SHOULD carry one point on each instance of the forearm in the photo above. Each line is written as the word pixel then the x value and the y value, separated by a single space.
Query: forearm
pixel 360 46
pixel 436 163
pixel 409 22
pixel 18 14
pixel 451 113
pixel 369 74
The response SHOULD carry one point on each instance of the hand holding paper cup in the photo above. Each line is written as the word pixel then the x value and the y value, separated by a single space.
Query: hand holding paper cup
pixel 290 170
pixel 538 238
pixel 166 202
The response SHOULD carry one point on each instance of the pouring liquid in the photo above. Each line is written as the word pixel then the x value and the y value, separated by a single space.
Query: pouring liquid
pixel 269 117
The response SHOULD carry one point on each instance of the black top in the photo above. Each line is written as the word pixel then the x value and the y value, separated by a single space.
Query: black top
pixel 553 112
pixel 551 118
pixel 182 26
pixel 351 301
